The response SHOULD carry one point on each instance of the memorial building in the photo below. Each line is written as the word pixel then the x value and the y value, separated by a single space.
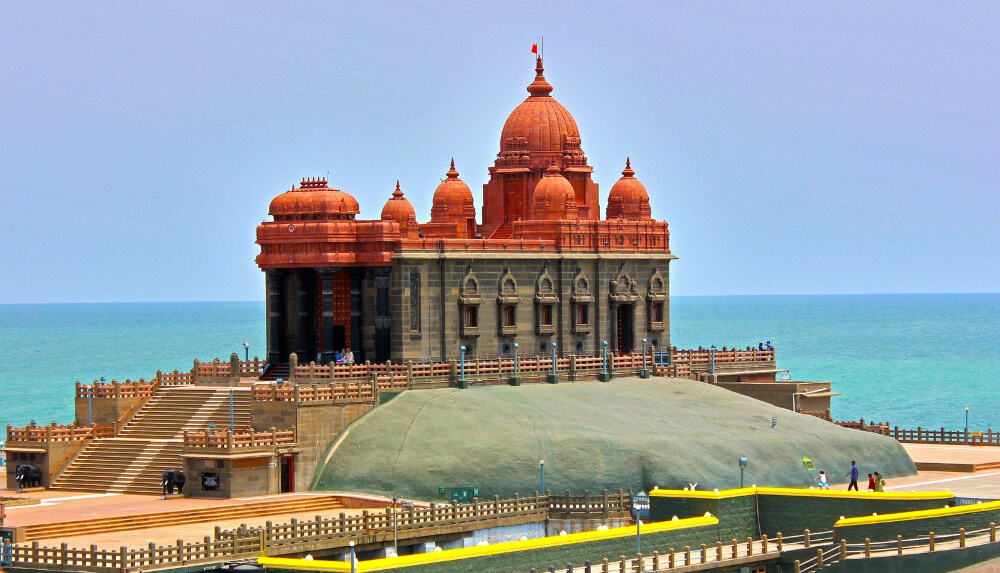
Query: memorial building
pixel 537 266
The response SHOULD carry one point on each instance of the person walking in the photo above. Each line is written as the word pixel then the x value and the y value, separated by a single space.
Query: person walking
pixel 871 483
pixel 854 473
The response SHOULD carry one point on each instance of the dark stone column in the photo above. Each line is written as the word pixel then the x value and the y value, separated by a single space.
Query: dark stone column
pixel 274 281
pixel 324 338
pixel 304 349
pixel 356 315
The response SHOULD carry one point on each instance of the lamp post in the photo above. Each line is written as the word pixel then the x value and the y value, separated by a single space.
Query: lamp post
pixel 967 425
pixel 553 378
pixel 232 415
pixel 743 466
pixel 644 373
pixel 90 410
pixel 604 377
pixel 395 539
pixel 515 381
pixel 541 474
pixel 711 363
pixel 354 560
pixel 461 378
pixel 246 351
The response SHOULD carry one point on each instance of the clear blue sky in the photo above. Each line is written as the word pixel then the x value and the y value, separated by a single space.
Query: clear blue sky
pixel 793 147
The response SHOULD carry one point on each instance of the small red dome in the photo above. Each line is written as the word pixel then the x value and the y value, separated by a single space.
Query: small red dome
pixel 554 197
pixel 628 198
pixel 540 120
pixel 452 199
pixel 313 200
pixel 400 210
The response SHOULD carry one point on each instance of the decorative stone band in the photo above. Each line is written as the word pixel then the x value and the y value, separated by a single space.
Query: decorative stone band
pixel 418 559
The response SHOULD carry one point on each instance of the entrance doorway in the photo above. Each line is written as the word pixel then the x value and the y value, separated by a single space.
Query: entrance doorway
pixel 625 328
pixel 288 473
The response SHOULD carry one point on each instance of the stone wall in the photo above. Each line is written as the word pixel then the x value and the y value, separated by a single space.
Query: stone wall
pixel 104 411
pixel 238 477
pixel 575 278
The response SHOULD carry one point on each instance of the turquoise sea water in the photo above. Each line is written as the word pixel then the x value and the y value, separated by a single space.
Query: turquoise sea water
pixel 909 359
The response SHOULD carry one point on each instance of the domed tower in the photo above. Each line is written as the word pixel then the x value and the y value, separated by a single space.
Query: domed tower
pixel 539 133
pixel 400 210
pixel 554 197
pixel 628 198
pixel 453 205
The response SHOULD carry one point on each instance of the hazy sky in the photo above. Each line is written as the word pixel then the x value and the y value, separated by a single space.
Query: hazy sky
pixel 794 147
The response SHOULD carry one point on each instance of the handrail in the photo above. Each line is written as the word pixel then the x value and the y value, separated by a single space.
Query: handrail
pixel 138 402
pixel 90 434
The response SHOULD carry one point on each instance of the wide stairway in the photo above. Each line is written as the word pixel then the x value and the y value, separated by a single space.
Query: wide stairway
pixel 253 509
pixel 153 440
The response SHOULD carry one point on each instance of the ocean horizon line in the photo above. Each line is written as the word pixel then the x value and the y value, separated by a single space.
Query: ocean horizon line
pixel 754 295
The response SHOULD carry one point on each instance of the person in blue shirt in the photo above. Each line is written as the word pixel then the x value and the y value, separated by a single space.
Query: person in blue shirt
pixel 854 473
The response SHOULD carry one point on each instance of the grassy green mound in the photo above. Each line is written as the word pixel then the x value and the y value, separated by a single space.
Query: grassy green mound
pixel 593 436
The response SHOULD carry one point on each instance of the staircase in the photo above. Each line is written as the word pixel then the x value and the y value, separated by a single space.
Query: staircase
pixel 504 231
pixel 152 441
pixel 275 371
pixel 253 509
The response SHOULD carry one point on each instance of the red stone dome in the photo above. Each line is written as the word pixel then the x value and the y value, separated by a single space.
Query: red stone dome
pixel 628 198
pixel 400 210
pixel 313 200
pixel 540 120
pixel 452 199
pixel 554 197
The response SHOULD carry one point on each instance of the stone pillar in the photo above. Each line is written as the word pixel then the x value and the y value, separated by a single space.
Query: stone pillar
pixel 275 285
pixel 324 338
pixel 234 369
pixel 293 361
pixel 304 316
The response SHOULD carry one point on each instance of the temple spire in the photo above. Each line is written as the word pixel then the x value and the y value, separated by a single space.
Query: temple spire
pixel 397 193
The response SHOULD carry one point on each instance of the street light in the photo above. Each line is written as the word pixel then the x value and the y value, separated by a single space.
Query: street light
pixel 461 379
pixel 395 539
pixel 967 425
pixel 743 466
pixel 644 373
pixel 604 362
pixel 515 381
pixel 354 560
pixel 711 367
pixel 541 473
pixel 553 378
pixel 246 351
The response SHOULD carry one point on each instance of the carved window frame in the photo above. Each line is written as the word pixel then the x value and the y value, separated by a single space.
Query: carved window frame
pixel 582 300
pixel 546 298
pixel 656 300
pixel 508 299
pixel 469 300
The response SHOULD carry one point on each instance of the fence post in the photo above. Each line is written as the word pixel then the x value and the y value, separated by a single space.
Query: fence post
pixel 805 538
pixel 961 537
pixel 798 566
pixel 843 549
pixel 704 552
pixel 868 547
pixel 656 561
pixel 779 541
pixel 63 549
pixel 736 548
pixel 819 558
pixel 671 557
pixel 899 545
pixel 930 540
pixel 180 550
pixel 604 565
pixel 638 563
pixel 749 546
pixel 122 557
pixel 718 551
pixel 93 555
pixel 687 555
pixel 763 544
pixel 993 532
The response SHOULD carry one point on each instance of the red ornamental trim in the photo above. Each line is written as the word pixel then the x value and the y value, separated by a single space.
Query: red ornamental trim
pixel 291 228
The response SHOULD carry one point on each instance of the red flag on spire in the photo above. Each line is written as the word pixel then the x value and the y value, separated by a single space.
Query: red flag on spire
pixel 534 48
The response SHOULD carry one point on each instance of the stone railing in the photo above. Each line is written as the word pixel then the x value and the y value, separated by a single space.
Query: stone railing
pixel 334 392
pixel 238 439
pixel 113 389
pixel 926 435
pixel 55 433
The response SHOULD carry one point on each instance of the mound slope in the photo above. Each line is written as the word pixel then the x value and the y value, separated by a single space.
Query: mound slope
pixel 628 433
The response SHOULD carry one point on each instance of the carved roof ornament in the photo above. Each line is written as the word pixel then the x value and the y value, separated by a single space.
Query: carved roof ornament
pixel 469 290
pixel 581 288
pixel 623 289
pixel 656 288
pixel 507 289
pixel 545 290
